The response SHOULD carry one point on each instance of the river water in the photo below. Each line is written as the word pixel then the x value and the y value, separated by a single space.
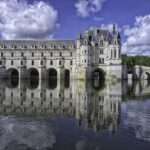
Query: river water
pixel 43 115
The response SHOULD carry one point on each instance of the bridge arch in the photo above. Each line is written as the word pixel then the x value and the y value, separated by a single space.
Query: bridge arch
pixel 147 76
pixel 52 76
pixel 98 74
pixel 33 73
pixel 33 78
pixel 52 73
pixel 12 73
pixel 67 78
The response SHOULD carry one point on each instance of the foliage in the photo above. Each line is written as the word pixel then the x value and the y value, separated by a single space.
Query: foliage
pixel 131 61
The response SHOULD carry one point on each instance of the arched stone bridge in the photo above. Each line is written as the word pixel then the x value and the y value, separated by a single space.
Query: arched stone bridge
pixel 141 72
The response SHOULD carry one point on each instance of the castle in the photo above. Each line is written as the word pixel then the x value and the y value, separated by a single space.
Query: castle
pixel 96 52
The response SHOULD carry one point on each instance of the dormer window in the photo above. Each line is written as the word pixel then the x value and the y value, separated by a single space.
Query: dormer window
pixel 14 46
pixel 63 46
pixel 101 42
pixel 25 46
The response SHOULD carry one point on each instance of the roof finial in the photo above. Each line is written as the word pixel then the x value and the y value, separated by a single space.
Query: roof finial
pixel 114 28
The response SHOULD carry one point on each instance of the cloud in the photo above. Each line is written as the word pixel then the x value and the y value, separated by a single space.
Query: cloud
pixel 110 27
pixel 138 37
pixel 20 20
pixel 87 7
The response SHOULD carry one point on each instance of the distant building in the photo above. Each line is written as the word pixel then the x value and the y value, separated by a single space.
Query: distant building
pixel 96 52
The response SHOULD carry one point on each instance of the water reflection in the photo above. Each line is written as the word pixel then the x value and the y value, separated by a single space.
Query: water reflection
pixel 45 110
pixel 93 108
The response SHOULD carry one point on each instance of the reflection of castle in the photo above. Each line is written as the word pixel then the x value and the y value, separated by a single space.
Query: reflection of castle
pixel 98 109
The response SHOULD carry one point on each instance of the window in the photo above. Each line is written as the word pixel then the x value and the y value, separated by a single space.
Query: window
pixel 32 95
pixel 100 60
pixel 12 54
pixel 51 54
pixel 1 54
pixel 15 47
pixel 51 62
pixel 21 62
pixel 70 53
pixel 71 62
pixel 111 53
pixel 22 54
pixel 0 62
pixel 51 95
pixel 59 95
pixel 70 95
pixel 60 62
pixel 103 60
pixel 32 54
pixel 11 94
pixel 101 42
pixel 41 94
pixel 42 54
pixel 60 54
pixel 41 62
pixel 115 53
pixel 101 51
pixel 25 46
pixel 32 62
pixel 12 62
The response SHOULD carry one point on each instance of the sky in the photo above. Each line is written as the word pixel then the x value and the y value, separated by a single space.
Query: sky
pixel 66 19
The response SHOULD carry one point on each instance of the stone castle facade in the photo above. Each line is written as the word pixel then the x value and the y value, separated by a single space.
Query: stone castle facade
pixel 95 52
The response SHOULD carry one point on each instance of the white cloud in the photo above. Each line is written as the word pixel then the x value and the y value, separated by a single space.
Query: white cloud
pixel 110 27
pixel 138 36
pixel 20 20
pixel 87 7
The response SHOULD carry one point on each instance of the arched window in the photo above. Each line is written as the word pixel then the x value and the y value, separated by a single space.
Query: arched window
pixel 114 53
pixel 51 62
pixel 111 53
pixel 32 62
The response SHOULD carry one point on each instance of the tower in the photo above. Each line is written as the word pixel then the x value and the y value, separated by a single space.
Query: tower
pixel 83 55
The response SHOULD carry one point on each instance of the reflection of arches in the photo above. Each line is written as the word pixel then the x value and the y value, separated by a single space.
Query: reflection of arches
pixel 32 83
pixel 52 78
pixel 33 78
pixel 67 78
pixel 33 73
pixel 13 78
pixel 98 78
pixel 12 83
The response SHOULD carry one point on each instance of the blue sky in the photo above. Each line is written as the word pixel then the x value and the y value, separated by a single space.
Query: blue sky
pixel 65 19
